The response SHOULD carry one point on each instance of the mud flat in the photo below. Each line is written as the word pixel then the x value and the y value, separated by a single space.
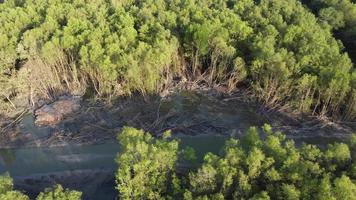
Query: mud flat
pixel 190 113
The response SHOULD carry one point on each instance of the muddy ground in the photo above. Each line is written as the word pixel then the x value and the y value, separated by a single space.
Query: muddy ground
pixel 184 112
pixel 190 113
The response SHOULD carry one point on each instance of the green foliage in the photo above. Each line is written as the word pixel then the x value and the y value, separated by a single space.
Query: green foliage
pixel 337 13
pixel 344 188
pixel 6 189
pixel 55 193
pixel 333 17
pixel 146 166
pixel 189 154
pixel 253 168
pixel 280 49
pixel 274 168
pixel 5 183
pixel 340 16
pixel 58 193
pixel 10 195
pixel 108 42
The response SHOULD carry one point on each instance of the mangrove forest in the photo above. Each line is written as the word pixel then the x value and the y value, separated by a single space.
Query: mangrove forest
pixel 178 99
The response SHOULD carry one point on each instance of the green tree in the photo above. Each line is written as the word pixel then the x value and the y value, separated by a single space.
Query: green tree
pixel 58 193
pixel 6 189
pixel 344 188
pixel 146 165
pixel 273 169
pixel 284 53
pixel 7 192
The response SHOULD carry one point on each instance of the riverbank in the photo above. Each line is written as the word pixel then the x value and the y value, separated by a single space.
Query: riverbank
pixel 74 167
pixel 186 112
pixel 82 147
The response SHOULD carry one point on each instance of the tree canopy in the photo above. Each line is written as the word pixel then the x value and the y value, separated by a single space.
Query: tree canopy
pixel 7 192
pixel 248 168
pixel 278 48
pixel 146 165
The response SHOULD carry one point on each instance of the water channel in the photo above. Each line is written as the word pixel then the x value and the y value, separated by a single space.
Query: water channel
pixel 91 168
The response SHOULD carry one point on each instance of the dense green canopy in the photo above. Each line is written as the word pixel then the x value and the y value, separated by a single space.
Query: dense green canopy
pixel 146 165
pixel 279 48
pixel 250 168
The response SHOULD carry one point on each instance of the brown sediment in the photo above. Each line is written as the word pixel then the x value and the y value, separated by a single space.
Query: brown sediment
pixel 187 112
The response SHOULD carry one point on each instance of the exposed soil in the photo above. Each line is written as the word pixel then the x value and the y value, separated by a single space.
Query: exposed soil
pixel 185 112
pixel 51 114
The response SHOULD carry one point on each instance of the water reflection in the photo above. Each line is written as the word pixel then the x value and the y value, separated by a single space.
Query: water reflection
pixel 74 166
pixel 28 161
pixel 28 126
pixel 7 157
pixel 224 119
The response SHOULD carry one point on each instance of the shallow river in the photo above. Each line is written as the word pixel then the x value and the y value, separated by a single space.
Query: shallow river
pixel 91 168
pixel 51 165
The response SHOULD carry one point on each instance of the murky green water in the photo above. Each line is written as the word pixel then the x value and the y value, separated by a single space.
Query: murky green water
pixel 29 161
pixel 211 120
pixel 26 164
